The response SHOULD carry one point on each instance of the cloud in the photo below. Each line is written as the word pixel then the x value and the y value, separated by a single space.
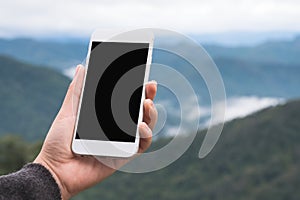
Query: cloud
pixel 236 107
pixel 239 107
pixel 80 18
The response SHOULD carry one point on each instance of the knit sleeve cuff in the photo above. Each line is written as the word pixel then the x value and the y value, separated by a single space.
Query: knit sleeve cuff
pixel 33 181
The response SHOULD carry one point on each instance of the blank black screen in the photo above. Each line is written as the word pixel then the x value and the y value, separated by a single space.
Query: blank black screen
pixel 109 63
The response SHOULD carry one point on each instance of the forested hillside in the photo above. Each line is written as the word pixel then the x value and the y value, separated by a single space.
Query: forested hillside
pixel 30 97
pixel 257 157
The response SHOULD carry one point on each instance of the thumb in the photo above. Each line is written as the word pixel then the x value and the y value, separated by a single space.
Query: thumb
pixel 72 98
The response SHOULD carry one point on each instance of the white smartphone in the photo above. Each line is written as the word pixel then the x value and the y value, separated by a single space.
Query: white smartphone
pixel 111 103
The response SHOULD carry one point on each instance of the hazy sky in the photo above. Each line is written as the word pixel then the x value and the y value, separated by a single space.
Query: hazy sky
pixel 81 17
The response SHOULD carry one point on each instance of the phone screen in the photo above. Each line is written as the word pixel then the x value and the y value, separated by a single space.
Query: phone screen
pixel 112 93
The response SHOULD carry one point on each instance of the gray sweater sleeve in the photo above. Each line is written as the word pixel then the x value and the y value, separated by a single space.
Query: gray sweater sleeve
pixel 33 181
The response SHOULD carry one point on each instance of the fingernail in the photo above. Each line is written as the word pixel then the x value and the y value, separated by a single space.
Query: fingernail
pixel 153 81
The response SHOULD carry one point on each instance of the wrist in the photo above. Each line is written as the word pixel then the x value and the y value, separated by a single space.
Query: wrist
pixel 64 194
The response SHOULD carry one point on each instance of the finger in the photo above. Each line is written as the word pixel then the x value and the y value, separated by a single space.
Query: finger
pixel 150 113
pixel 151 88
pixel 145 137
pixel 71 101
pixel 78 88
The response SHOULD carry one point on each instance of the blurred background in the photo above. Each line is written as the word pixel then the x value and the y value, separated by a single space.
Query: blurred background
pixel 255 45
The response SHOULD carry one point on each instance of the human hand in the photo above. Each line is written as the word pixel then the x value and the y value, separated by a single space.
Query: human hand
pixel 74 173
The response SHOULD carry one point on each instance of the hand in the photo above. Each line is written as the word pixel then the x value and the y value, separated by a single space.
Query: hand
pixel 74 173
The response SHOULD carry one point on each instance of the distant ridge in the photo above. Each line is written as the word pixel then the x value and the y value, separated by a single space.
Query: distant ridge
pixel 62 55
pixel 44 53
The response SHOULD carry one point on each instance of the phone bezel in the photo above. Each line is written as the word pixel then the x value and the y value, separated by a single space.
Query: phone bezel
pixel 112 148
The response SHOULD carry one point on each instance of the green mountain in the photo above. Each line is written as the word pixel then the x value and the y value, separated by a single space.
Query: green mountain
pixel 244 78
pixel 241 77
pixel 255 158
pixel 282 52
pixel 30 97
pixel 44 53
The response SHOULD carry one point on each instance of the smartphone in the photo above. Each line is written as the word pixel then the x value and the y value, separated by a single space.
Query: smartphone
pixel 111 102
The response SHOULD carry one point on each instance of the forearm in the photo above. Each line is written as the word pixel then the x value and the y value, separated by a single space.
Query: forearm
pixel 33 181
